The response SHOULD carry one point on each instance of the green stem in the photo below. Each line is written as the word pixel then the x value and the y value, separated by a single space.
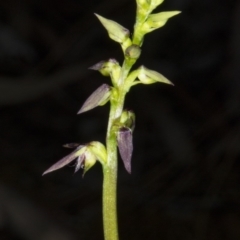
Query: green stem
pixel 110 169
pixel 110 176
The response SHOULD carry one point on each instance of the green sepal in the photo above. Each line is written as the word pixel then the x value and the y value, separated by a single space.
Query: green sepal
pixel 155 3
pixel 157 20
pixel 115 31
pixel 99 151
pixel 147 76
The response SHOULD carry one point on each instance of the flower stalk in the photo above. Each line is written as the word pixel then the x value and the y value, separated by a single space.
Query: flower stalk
pixel 121 122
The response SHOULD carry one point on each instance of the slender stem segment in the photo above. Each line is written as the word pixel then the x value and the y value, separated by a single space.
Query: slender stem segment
pixel 110 169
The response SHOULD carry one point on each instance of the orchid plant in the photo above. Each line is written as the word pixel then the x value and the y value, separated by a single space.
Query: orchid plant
pixel 121 122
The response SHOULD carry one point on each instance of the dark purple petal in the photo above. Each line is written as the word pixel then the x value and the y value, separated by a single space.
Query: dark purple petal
pixel 96 98
pixel 125 147
pixel 64 161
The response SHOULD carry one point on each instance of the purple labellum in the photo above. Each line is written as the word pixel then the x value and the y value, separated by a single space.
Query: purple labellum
pixel 125 147
pixel 96 98
pixel 64 161
pixel 80 162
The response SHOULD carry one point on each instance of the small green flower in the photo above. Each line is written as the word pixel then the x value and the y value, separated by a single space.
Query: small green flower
pixel 116 32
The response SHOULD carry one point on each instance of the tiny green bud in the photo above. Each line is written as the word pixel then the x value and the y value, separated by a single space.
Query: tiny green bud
pixel 98 98
pixel 157 20
pixel 147 76
pixel 128 119
pixel 133 51
pixel 115 31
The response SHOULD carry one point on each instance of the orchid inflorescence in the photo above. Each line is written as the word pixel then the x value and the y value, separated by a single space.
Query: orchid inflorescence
pixel 121 122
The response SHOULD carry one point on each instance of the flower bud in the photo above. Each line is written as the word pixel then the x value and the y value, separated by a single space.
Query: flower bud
pixel 115 31
pixel 147 76
pixel 128 119
pixel 125 147
pixel 133 51
pixel 98 98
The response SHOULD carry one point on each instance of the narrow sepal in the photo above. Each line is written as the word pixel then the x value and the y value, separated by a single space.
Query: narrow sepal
pixel 157 20
pixel 155 3
pixel 71 145
pixel 66 160
pixel 147 76
pixel 125 147
pixel 98 66
pixel 115 31
pixel 97 98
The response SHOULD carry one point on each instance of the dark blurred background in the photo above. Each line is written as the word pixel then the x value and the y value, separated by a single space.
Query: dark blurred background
pixel 185 168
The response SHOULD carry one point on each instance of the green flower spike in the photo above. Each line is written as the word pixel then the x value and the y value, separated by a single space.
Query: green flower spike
pixel 98 98
pixel 147 76
pixel 157 20
pixel 116 32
